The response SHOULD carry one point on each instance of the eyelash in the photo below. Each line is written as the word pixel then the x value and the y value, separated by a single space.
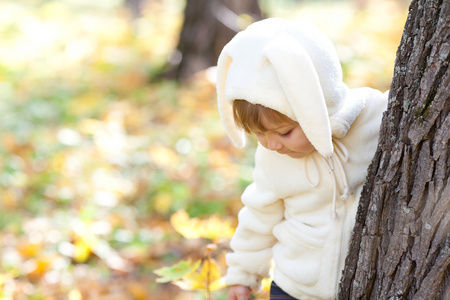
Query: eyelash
pixel 287 133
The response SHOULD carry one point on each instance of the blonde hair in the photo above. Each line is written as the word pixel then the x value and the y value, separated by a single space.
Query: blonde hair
pixel 248 116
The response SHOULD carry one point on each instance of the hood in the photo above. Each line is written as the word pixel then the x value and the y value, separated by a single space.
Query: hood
pixel 291 67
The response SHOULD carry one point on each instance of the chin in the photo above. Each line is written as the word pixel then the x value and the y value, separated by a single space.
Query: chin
pixel 296 155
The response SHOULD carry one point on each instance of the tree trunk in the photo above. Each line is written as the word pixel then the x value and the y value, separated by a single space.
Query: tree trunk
pixel 208 26
pixel 400 247
pixel 135 7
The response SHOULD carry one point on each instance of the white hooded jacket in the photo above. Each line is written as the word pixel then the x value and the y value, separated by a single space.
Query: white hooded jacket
pixel 300 212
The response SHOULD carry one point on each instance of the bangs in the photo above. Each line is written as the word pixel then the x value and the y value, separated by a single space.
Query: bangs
pixel 248 116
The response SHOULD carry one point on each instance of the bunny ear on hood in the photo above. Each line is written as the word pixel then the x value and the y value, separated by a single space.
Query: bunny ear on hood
pixel 301 86
pixel 236 134
pixel 290 67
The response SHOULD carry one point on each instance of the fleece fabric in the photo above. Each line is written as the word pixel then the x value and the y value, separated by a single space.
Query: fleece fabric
pixel 301 212
pixel 291 67
pixel 297 212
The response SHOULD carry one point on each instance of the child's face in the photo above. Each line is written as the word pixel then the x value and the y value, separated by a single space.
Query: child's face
pixel 285 137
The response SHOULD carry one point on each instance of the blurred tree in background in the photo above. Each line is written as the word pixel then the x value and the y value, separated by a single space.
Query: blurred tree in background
pixel 108 170
pixel 135 7
pixel 208 25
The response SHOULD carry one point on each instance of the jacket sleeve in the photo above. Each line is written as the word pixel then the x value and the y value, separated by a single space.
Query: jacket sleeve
pixel 252 243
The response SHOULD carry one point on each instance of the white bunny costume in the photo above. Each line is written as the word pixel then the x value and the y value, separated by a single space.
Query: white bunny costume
pixel 300 212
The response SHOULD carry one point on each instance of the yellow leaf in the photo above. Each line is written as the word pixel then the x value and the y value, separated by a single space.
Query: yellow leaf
pixel 3 279
pixel 29 249
pixel 82 251
pixel 85 241
pixel 209 272
pixel 207 277
pixel 162 203
pixel 75 295
pixel 36 268
pixel 218 284
pixel 266 283
pixel 163 156
pixel 212 228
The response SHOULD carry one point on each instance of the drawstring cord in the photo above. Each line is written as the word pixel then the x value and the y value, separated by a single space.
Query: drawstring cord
pixel 335 168
pixel 335 164
pixel 342 157
pixel 331 170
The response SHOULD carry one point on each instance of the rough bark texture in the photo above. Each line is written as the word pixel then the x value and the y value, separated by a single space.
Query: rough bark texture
pixel 400 247
pixel 208 26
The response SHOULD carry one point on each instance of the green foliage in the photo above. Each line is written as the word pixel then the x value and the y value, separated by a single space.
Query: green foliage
pixel 176 271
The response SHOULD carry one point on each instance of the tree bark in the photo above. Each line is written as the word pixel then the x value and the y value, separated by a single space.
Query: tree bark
pixel 400 247
pixel 208 26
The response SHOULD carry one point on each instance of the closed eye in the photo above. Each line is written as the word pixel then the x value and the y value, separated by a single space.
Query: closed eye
pixel 286 133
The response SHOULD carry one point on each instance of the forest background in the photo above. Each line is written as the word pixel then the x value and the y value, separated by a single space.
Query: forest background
pixel 110 172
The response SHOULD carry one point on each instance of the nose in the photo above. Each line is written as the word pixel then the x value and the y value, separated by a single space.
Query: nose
pixel 273 144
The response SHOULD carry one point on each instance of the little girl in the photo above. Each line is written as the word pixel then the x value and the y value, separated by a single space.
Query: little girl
pixel 282 81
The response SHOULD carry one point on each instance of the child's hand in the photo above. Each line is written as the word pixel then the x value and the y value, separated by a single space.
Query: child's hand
pixel 239 292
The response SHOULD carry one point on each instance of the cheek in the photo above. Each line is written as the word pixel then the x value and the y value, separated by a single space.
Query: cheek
pixel 301 142
pixel 261 140
pixel 306 143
